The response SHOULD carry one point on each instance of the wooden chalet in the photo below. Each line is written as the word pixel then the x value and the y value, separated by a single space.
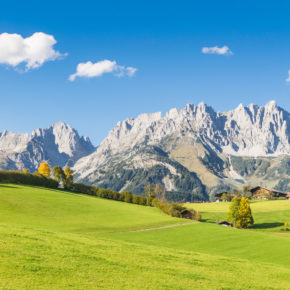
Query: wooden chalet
pixel 218 196
pixel 260 192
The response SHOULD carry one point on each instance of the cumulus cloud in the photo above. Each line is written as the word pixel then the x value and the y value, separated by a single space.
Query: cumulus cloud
pixel 224 50
pixel 97 69
pixel 33 51
pixel 288 78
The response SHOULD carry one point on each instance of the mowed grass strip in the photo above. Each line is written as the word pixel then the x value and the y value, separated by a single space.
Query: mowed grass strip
pixel 56 210
pixel 32 259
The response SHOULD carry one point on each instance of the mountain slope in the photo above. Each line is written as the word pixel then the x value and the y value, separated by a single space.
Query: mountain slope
pixel 59 145
pixel 197 139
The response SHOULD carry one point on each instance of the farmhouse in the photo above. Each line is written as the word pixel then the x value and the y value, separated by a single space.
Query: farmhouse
pixel 260 192
pixel 218 196
pixel 186 214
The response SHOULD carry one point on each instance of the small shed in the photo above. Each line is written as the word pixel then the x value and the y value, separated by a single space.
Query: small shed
pixel 226 224
pixel 187 214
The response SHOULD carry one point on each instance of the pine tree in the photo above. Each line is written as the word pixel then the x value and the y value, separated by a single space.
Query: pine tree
pixel 44 169
pixel 245 214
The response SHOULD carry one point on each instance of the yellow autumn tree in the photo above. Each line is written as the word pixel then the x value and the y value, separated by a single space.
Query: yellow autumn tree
pixel 69 178
pixel 245 214
pixel 44 169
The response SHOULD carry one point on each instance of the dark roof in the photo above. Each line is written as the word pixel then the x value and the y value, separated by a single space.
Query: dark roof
pixel 269 189
pixel 186 211
pixel 220 194
pixel 225 223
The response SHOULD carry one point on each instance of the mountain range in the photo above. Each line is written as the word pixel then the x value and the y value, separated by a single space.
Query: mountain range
pixel 59 145
pixel 194 152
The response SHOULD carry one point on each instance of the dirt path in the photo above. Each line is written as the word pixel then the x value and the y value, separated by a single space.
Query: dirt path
pixel 162 227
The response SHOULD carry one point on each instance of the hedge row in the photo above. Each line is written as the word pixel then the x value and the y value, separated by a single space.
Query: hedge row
pixel 18 177
pixel 27 178
pixel 172 209
pixel 125 196
pixel 176 209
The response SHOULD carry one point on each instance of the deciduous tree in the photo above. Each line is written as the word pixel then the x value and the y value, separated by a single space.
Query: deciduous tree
pixel 58 173
pixel 69 178
pixel 245 214
pixel 44 169
pixel 240 212
pixel 233 215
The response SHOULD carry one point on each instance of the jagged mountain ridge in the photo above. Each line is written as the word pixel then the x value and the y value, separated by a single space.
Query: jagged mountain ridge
pixel 199 139
pixel 194 151
pixel 59 144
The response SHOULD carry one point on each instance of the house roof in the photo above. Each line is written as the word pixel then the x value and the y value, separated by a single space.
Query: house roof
pixel 269 189
pixel 220 194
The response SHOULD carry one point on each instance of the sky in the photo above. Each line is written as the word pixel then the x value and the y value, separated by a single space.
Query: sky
pixel 93 63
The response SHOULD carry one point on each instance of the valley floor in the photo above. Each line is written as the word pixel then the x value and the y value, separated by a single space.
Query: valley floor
pixel 51 239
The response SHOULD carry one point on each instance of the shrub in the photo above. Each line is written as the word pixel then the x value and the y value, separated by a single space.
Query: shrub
pixel 174 209
pixel 127 196
pixel 81 188
pixel 149 201
pixel 121 196
pixel 142 200
pixel 116 195
pixel 135 199
pixel 27 178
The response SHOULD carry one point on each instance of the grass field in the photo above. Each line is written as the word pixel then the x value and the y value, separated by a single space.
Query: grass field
pixel 269 215
pixel 51 239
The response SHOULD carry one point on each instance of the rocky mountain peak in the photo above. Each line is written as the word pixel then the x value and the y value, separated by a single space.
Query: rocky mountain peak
pixel 59 144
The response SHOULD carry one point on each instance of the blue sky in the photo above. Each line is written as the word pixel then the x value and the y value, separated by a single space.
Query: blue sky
pixel 163 40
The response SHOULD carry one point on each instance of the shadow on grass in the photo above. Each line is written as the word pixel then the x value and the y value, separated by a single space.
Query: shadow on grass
pixel 8 186
pixel 211 221
pixel 267 225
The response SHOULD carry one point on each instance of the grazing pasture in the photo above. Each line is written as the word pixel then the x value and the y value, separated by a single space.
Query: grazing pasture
pixel 269 215
pixel 52 239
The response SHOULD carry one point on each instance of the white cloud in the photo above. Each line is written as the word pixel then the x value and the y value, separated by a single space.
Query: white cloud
pixel 288 78
pixel 97 69
pixel 224 50
pixel 33 51
pixel 131 71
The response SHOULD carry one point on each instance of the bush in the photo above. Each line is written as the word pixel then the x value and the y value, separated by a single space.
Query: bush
pixel 174 209
pixel 27 178
pixel 81 188
pixel 149 201
pixel 121 196
pixel 135 199
pixel 127 196
pixel 142 200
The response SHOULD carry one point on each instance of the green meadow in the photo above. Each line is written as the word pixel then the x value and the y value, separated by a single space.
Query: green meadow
pixel 269 215
pixel 52 239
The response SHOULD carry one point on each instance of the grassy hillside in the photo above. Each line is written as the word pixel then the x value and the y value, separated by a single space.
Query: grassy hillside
pixel 269 215
pixel 51 239
pixel 56 210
